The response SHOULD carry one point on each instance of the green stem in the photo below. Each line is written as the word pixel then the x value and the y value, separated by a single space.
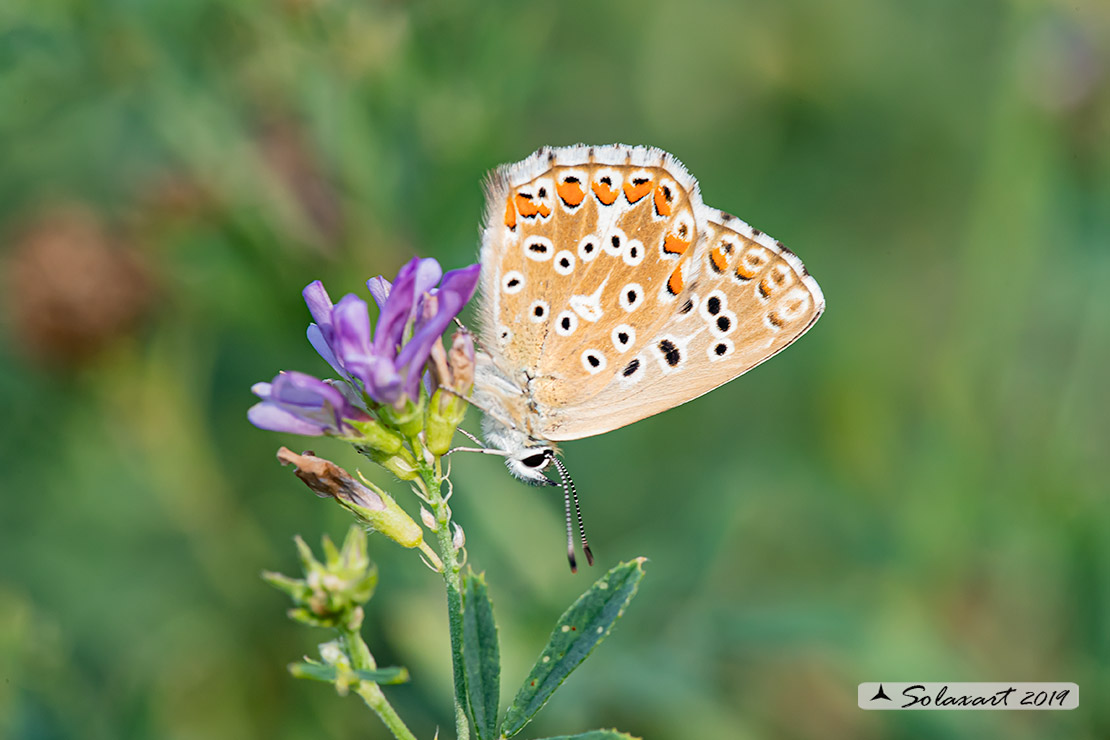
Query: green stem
pixel 371 693
pixel 451 569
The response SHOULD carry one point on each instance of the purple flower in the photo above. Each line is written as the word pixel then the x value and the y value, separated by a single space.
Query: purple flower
pixel 301 404
pixel 387 367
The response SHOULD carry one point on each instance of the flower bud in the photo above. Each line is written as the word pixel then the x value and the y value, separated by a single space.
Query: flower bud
pixel 370 504
pixel 439 373
pixel 372 434
pixel 332 591
pixel 461 360
pixel 401 465
pixel 448 404
pixel 428 518
pixel 409 418
pixel 459 538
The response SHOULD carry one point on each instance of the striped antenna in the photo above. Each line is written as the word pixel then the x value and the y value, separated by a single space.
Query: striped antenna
pixel 569 493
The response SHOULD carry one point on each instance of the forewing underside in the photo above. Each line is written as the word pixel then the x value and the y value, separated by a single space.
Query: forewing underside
pixel 581 245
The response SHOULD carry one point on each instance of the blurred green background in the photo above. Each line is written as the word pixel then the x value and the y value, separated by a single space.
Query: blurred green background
pixel 922 498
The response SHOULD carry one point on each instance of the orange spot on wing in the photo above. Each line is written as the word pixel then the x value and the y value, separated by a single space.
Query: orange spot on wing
pixel 510 214
pixel 675 283
pixel 673 245
pixel 662 206
pixel 605 193
pixel 634 192
pixel 526 206
pixel 571 193
pixel 544 210
pixel 747 271
pixel 717 257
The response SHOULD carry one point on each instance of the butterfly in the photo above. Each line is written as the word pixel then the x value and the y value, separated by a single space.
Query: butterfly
pixel 610 292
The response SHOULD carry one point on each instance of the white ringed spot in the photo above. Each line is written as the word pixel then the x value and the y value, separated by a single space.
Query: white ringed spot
pixel 538 311
pixel 512 282
pixel 564 262
pixel 715 302
pixel 719 349
pixel 588 247
pixel 633 252
pixel 566 323
pixel 614 241
pixel 794 304
pixel 633 372
pixel 593 361
pixel 723 323
pixel 631 296
pixel 670 353
pixel 538 248
pixel 623 337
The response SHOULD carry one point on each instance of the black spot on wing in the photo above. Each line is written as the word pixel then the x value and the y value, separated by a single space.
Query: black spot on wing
pixel 670 352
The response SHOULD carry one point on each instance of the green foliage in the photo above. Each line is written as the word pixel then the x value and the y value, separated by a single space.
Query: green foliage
pixel 482 657
pixel 595 735
pixel 329 673
pixel 917 489
pixel 581 628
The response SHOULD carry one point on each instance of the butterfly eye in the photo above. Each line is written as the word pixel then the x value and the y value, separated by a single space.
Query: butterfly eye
pixel 538 460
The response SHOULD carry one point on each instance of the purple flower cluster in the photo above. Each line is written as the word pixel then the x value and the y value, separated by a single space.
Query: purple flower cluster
pixel 384 366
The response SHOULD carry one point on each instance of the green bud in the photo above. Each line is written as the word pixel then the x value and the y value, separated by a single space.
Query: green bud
pixel 331 592
pixel 389 518
pixel 401 465
pixel 409 418
pixel 445 411
pixel 375 436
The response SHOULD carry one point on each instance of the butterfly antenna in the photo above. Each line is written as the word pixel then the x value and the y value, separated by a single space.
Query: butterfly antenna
pixel 569 494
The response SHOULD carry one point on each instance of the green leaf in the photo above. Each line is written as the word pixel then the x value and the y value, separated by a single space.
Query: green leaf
pixel 329 673
pixel 576 634
pixel 596 735
pixel 480 654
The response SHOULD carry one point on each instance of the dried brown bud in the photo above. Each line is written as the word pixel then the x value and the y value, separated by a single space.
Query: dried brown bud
pixel 328 480
pixel 461 360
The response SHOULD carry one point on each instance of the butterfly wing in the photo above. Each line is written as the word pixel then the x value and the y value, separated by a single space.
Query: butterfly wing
pixel 581 244
pixel 611 292
pixel 747 298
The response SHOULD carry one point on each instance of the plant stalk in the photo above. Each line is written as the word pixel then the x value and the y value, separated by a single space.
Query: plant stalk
pixel 451 576
pixel 371 693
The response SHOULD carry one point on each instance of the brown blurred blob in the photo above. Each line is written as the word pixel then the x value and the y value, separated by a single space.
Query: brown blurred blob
pixel 70 287
pixel 289 154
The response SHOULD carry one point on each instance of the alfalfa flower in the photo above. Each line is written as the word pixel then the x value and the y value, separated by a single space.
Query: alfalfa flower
pixel 386 364
pixel 301 404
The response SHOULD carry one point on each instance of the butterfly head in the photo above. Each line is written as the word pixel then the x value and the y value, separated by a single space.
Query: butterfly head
pixel 530 463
